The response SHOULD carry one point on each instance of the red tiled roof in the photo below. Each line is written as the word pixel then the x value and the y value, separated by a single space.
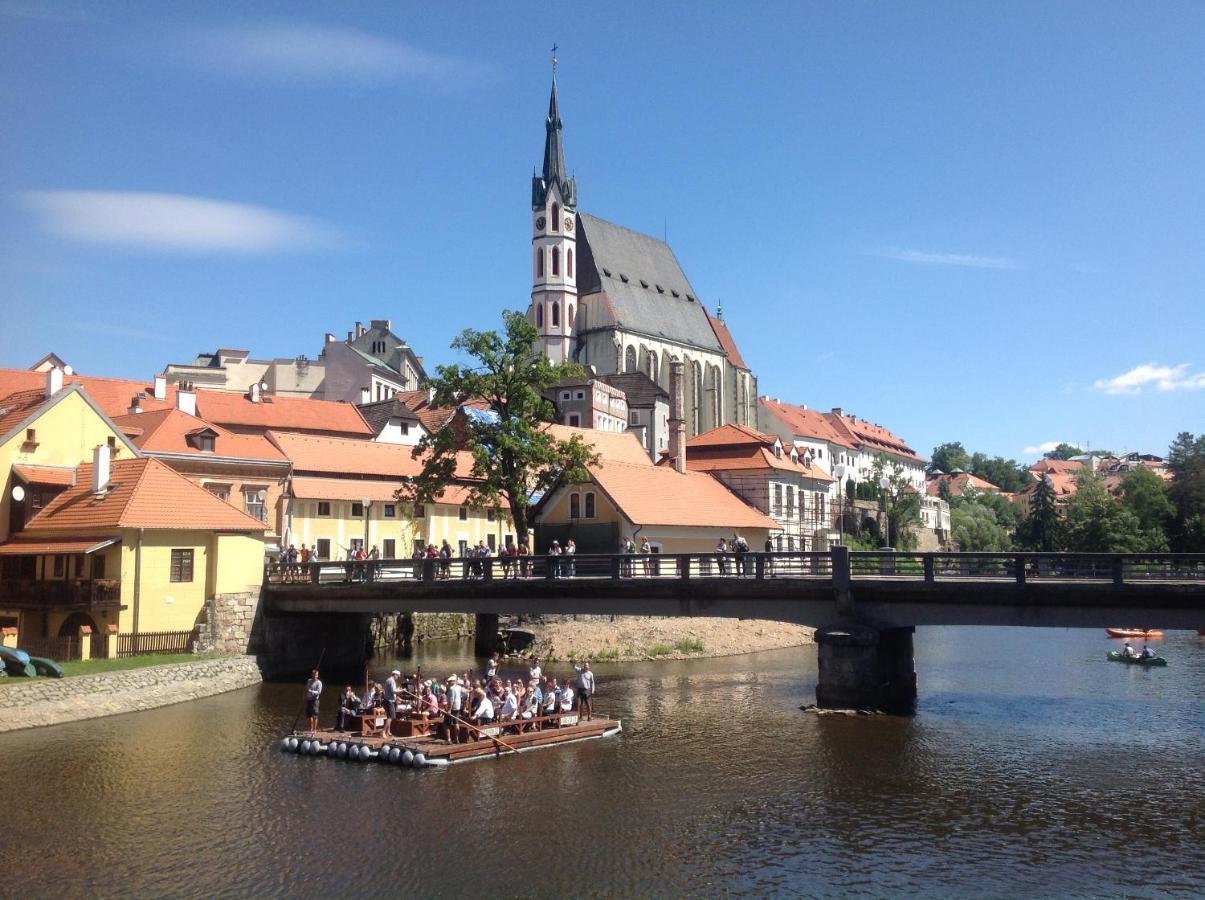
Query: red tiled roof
pixel 658 495
pixel 1064 466
pixel 873 437
pixel 611 446
pixel 167 431
pixel 25 546
pixel 731 435
pixel 142 493
pixel 957 484
pixel 282 414
pixel 749 458
pixel 56 475
pixel 346 456
pixel 724 336
pixel 804 422
pixel 375 490
pixel 112 395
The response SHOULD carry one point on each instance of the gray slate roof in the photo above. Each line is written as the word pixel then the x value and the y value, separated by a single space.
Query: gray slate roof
pixel 646 301
pixel 640 390
pixel 378 413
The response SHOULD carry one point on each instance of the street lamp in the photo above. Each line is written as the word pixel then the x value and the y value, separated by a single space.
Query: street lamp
pixel 839 471
pixel 884 484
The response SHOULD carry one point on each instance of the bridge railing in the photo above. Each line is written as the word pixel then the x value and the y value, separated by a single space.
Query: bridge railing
pixel 928 567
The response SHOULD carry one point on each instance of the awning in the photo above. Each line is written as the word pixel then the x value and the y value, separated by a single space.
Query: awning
pixel 47 546
pixel 56 475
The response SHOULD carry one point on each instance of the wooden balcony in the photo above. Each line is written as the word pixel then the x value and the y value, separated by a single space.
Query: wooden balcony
pixel 26 593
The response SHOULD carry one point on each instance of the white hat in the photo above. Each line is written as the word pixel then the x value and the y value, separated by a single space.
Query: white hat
pixel 395 672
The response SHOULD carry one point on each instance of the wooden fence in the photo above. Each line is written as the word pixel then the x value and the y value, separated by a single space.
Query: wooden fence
pixel 60 649
pixel 147 642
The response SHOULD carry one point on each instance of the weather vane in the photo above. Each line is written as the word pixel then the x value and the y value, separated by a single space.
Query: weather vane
pixel 554 50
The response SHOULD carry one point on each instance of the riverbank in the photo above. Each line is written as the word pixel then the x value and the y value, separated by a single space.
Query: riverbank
pixel 626 638
pixel 48 701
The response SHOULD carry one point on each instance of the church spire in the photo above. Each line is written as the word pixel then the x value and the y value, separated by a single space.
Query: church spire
pixel 553 172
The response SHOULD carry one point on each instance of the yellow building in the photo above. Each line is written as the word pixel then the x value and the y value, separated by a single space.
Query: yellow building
pixel 94 534
pixel 343 496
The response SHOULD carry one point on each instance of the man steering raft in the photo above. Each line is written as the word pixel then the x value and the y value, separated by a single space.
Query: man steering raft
pixel 313 690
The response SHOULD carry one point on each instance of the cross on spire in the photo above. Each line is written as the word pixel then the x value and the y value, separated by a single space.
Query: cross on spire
pixel 554 50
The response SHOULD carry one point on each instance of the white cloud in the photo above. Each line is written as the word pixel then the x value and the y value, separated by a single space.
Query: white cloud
pixel 966 260
pixel 315 53
pixel 173 222
pixel 1044 447
pixel 1163 378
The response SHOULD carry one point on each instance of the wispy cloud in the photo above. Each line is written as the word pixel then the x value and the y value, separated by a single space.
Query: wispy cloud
pixel 1163 378
pixel 935 258
pixel 1044 447
pixel 294 52
pixel 173 222
pixel 124 331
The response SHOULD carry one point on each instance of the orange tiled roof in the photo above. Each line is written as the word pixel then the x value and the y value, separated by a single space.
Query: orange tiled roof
pixel 611 446
pixel 1064 484
pixel 804 422
pixel 724 336
pixel 873 437
pixel 112 395
pixel 1042 466
pixel 56 475
pixel 311 453
pixel 167 431
pixel 659 495
pixel 732 459
pixel 143 493
pixel 957 484
pixel 375 490
pixel 282 414
pixel 731 435
pixel 21 545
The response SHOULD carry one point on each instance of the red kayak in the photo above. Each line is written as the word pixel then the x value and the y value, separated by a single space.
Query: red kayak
pixel 1141 634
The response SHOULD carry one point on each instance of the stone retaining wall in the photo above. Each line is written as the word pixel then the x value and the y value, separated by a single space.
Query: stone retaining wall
pixel 441 626
pixel 48 701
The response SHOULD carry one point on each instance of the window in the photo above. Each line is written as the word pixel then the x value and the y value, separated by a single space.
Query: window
pixel 491 541
pixel 589 504
pixel 556 314
pixel 629 359
pixel 221 491
pixel 181 565
pixel 581 395
pixel 323 548
pixel 565 395
pixel 253 505
pixel 463 514
pixel 60 565
pixel 575 506
pixel 355 544
pixel 31 435
pixel 778 499
pixel 569 262
pixel 79 565
pixel 575 420
pixel 324 507
pixel 205 443
pixel 539 315
pixel 490 515
pixel 389 511
pixel 634 417
pixel 569 315
pixel 556 220
pixel 389 550
pixel 539 262
pixel 112 443
pixel 404 427
pixel 556 260
pixel 357 510
pixel 420 511
pixel 98 566
pixel 462 547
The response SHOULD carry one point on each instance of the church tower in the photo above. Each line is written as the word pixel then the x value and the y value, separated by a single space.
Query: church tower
pixel 554 243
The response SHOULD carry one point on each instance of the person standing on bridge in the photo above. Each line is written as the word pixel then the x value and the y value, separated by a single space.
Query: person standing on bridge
pixel 313 690
pixel 570 552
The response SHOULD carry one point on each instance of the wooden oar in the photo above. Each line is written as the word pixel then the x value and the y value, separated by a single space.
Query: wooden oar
pixel 455 718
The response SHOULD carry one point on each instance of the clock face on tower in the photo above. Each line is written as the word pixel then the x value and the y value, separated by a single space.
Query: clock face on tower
pixel 568 223
pixel 541 222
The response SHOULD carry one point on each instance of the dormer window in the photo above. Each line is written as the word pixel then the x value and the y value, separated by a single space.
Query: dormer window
pixel 203 439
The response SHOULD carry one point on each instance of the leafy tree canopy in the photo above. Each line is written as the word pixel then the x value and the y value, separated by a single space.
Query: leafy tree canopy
pixel 950 456
pixel 1186 462
pixel 976 528
pixel 902 502
pixel 514 454
pixel 1063 451
pixel 1145 494
pixel 1096 522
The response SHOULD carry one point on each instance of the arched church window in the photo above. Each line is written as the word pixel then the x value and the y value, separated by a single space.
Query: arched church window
pixel 539 315
pixel 556 217
pixel 556 260
pixel 629 360
pixel 556 313
pixel 539 262
pixel 569 315
pixel 569 262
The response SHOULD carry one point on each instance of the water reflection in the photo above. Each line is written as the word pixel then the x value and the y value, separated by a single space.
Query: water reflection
pixel 1034 767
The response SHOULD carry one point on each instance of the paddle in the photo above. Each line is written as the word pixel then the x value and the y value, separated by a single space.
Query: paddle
pixel 293 730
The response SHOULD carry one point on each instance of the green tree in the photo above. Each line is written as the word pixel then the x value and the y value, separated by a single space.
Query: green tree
pixel 1063 451
pixel 1097 522
pixel 1186 462
pixel 1006 474
pixel 900 500
pixel 1038 531
pixel 950 456
pixel 514 455
pixel 976 529
pixel 1145 494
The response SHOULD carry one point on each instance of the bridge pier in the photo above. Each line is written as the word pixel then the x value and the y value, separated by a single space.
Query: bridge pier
pixel 485 634
pixel 861 667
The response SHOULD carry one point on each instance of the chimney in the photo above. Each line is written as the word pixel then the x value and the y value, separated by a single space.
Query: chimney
pixel 135 405
pixel 836 410
pixel 365 394
pixel 430 396
pixel 253 393
pixel 186 398
pixel 677 422
pixel 330 338
pixel 351 336
pixel 359 329
pixel 160 387
pixel 54 381
pixel 100 468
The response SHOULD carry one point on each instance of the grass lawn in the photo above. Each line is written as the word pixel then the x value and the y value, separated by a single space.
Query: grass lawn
pixel 92 666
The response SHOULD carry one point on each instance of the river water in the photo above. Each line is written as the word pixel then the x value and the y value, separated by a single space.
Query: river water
pixel 1033 768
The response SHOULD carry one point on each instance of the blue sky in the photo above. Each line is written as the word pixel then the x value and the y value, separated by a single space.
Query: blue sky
pixel 965 221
